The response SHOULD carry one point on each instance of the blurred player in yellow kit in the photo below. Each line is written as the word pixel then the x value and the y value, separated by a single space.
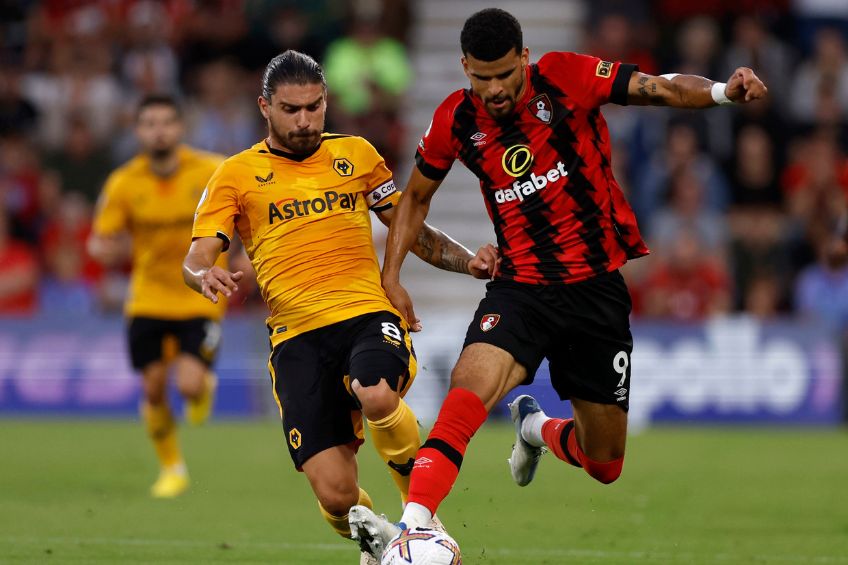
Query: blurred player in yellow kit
pixel 300 201
pixel 151 200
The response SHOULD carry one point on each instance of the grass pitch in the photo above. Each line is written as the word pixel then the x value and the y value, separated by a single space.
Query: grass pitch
pixel 76 492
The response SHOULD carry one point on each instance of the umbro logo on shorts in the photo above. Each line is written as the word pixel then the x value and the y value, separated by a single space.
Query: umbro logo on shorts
pixel 489 321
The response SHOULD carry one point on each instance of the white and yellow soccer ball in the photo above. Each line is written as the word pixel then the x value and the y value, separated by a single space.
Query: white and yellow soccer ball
pixel 422 546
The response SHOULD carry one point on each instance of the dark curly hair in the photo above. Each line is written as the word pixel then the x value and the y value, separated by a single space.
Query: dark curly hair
pixel 291 67
pixel 490 34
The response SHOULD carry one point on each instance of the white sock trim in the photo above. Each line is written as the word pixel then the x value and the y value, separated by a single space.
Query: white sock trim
pixel 531 429
pixel 416 515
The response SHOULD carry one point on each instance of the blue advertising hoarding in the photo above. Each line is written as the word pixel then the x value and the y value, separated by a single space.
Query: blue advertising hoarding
pixel 726 371
pixel 81 366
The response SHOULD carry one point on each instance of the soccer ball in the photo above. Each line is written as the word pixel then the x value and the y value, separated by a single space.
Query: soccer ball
pixel 422 546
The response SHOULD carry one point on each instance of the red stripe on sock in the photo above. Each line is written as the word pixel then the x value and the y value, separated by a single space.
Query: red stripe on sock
pixel 434 475
pixel 552 435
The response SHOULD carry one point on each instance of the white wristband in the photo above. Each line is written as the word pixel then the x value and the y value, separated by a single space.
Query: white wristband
pixel 718 94
pixel 670 76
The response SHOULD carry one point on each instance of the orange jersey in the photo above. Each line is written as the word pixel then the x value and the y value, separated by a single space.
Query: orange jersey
pixel 158 213
pixel 306 228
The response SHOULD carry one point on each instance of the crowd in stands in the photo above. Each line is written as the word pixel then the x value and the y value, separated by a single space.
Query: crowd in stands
pixel 739 205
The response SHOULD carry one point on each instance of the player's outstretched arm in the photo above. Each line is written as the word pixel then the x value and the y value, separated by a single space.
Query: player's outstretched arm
pixel 406 222
pixel 442 251
pixel 202 275
pixel 692 91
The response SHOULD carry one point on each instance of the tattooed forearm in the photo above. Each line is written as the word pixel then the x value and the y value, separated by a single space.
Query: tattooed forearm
pixel 424 245
pixel 454 257
pixel 438 249
pixel 648 89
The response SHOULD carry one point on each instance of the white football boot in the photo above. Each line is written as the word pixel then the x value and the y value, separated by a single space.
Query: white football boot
pixel 525 457
pixel 372 531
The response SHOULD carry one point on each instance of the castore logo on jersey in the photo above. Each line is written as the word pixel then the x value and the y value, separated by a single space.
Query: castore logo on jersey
pixel 263 181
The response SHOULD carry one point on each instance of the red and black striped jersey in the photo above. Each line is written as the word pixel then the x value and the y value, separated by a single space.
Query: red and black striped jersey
pixel 545 171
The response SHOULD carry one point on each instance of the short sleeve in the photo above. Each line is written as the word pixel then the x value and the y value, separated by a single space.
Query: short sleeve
pixel 217 209
pixel 380 190
pixel 436 150
pixel 591 81
pixel 112 214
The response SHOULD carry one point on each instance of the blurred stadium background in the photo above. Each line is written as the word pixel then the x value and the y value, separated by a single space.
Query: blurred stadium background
pixel 739 316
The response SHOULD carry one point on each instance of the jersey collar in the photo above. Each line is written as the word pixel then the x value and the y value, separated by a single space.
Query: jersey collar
pixel 293 156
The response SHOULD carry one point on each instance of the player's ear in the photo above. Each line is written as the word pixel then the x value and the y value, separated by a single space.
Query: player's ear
pixel 263 106
pixel 464 62
pixel 525 56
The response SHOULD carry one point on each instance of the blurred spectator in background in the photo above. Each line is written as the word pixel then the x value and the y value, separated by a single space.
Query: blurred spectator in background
pixel 70 273
pixel 82 164
pixel 821 292
pixel 753 45
pixel 368 73
pixel 811 15
pixel 17 115
pixel 687 285
pixel 820 89
pixel 759 247
pixel 753 170
pixel 763 296
pixel 18 273
pixel 149 63
pixel 210 31
pixel 222 118
pixel 77 80
pixel 698 48
pixel 681 152
pixel 815 182
pixel 685 212
pixel 308 27
pixel 613 40
pixel 19 180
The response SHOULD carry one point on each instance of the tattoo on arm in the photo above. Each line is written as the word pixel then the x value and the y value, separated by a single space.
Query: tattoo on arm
pixel 438 249
pixel 424 245
pixel 649 91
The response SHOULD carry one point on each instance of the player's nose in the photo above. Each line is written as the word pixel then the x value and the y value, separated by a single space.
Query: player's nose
pixel 302 120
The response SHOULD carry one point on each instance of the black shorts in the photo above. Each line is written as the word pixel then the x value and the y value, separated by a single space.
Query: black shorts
pixel 199 337
pixel 311 375
pixel 583 329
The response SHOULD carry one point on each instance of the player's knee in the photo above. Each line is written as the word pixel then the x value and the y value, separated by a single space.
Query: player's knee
pixel 191 388
pixel 337 501
pixel 604 472
pixel 377 401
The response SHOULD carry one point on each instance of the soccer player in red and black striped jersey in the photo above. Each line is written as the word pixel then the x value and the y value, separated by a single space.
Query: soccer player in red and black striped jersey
pixel 535 137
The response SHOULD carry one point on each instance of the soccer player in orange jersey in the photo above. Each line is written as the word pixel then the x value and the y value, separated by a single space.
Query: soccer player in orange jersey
pixel 152 199
pixel 301 201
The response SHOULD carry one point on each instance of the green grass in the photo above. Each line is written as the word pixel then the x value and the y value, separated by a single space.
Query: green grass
pixel 76 492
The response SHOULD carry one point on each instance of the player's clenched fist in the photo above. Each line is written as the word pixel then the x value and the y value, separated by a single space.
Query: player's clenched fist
pixel 217 280
pixel 744 86
pixel 485 264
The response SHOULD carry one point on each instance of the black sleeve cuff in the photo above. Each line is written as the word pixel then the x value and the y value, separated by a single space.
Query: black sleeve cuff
pixel 618 95
pixel 223 237
pixel 428 170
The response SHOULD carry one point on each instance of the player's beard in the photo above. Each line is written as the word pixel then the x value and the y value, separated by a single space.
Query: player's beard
pixel 298 142
pixel 508 108
pixel 161 153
